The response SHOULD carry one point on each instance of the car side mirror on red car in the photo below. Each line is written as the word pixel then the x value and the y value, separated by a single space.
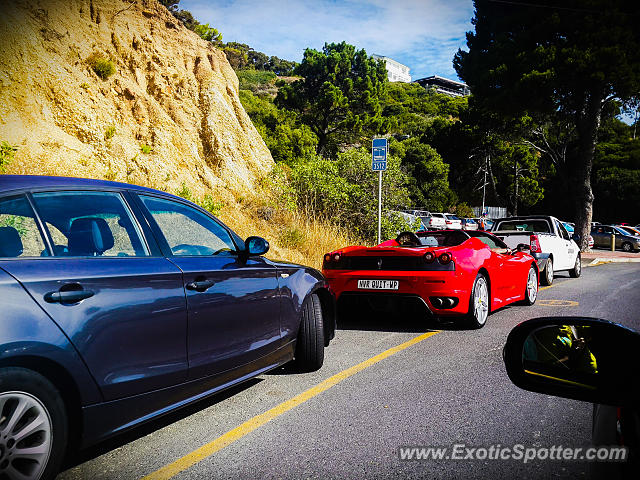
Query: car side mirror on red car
pixel 575 357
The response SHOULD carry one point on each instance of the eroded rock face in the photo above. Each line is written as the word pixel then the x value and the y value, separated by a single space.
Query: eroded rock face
pixel 170 114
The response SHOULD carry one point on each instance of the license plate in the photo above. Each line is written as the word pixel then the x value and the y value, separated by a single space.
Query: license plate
pixel 378 284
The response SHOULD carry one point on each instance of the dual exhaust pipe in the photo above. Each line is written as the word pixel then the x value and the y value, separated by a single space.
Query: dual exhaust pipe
pixel 443 303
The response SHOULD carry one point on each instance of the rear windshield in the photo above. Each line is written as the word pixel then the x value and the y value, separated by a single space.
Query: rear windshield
pixel 540 226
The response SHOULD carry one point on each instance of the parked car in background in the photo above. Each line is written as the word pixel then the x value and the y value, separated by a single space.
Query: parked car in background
pixel 548 241
pixel 570 227
pixel 602 235
pixel 469 224
pixel 434 221
pixel 462 275
pixel 453 222
pixel 630 230
pixel 122 303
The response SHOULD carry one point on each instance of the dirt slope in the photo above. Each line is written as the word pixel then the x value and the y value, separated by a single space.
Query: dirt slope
pixel 169 115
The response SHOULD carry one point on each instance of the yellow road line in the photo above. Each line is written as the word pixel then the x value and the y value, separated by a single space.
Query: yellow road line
pixel 256 422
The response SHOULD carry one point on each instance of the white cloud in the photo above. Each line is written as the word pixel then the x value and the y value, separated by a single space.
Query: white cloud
pixel 422 34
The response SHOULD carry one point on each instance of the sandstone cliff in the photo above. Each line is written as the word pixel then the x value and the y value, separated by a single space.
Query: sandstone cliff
pixel 169 115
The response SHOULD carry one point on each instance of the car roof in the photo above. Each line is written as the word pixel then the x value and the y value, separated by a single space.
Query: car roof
pixel 10 183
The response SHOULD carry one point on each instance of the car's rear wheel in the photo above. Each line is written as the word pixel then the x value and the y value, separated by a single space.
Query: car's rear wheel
pixel 547 274
pixel 627 247
pixel 309 355
pixel 531 290
pixel 33 426
pixel 577 268
pixel 479 302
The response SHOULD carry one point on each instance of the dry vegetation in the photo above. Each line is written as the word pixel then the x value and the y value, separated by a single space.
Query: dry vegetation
pixel 293 236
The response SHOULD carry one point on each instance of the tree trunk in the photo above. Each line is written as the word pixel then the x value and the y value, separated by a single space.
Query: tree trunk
pixel 588 122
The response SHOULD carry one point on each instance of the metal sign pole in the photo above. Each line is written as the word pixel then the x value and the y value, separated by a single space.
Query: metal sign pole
pixel 378 164
pixel 380 207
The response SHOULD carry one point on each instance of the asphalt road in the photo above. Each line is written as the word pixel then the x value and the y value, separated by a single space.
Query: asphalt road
pixel 450 388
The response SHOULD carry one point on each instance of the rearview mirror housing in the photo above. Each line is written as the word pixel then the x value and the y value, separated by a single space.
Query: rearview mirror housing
pixel 575 357
pixel 256 246
pixel 522 247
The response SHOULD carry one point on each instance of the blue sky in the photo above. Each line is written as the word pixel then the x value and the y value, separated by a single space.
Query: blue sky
pixel 422 34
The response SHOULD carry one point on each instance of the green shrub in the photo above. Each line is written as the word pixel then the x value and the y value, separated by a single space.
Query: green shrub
pixel 103 67
pixel 146 149
pixel 209 204
pixel 109 132
pixel 185 192
pixel 7 153
pixel 251 79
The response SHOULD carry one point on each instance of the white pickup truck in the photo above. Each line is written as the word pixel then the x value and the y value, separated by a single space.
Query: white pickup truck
pixel 548 241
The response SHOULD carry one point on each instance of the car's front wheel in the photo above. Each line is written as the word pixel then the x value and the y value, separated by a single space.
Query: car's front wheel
pixel 531 290
pixel 577 268
pixel 33 426
pixel 479 302
pixel 547 274
pixel 309 355
pixel 627 247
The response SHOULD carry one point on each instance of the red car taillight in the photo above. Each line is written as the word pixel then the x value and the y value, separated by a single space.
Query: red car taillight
pixel 332 261
pixel 534 244
pixel 429 257
pixel 445 258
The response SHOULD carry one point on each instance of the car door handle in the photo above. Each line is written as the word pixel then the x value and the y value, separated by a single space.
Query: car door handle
pixel 68 296
pixel 200 285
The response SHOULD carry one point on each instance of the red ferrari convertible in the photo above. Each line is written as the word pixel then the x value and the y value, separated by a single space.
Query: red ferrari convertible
pixel 462 273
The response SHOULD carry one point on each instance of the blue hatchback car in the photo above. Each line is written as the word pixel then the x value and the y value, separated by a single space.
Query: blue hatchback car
pixel 121 303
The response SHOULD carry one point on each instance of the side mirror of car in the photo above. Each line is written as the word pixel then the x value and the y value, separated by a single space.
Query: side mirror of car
pixel 575 237
pixel 256 246
pixel 574 357
pixel 522 247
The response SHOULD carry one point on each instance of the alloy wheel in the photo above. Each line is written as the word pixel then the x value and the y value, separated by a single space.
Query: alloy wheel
pixel 25 436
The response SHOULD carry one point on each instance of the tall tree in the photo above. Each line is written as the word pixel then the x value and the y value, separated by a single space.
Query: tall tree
pixel 338 96
pixel 555 57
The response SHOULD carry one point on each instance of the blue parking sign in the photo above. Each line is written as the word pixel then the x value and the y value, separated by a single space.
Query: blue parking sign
pixel 379 154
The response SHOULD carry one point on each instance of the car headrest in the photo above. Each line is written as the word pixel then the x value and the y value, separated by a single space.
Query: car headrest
pixel 408 239
pixel 10 242
pixel 89 236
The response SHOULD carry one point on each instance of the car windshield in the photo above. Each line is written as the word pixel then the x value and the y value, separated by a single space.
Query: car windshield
pixel 540 226
pixel 442 239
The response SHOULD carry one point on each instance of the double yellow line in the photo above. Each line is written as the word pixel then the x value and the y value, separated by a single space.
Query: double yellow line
pixel 256 422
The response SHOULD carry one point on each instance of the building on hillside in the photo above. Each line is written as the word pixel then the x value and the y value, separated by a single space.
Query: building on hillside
pixel 396 72
pixel 444 85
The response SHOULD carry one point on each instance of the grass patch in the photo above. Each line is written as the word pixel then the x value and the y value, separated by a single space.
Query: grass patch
pixel 146 149
pixel 292 238
pixel 7 152
pixel 103 67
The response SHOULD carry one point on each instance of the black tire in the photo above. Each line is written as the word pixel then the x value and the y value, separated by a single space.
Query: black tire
pixel 309 355
pixel 18 387
pixel 627 247
pixel 547 274
pixel 531 291
pixel 477 317
pixel 576 271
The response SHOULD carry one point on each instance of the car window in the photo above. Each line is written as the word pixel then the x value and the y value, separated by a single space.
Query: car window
pixel 90 224
pixel 540 226
pixel 19 233
pixel 188 231
pixel 562 231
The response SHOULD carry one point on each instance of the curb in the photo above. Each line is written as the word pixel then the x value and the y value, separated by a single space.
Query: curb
pixel 602 261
